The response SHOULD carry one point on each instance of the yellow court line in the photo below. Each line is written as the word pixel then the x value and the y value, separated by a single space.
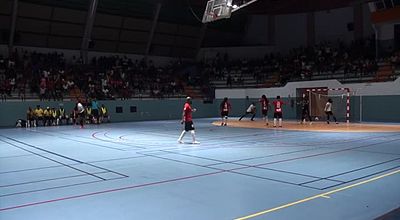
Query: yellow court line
pixel 318 196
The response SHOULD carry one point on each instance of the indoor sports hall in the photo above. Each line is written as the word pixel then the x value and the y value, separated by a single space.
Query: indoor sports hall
pixel 211 110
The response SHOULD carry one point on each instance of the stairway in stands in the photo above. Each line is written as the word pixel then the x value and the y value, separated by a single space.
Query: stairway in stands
pixel 272 81
pixel 384 73
pixel 194 92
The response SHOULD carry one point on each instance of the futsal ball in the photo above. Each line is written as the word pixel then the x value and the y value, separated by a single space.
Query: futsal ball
pixel 316 118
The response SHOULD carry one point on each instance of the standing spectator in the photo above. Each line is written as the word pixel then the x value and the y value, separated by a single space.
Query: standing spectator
pixel 95 111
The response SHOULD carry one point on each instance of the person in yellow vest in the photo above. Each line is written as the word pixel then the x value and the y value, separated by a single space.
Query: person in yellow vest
pixel 62 116
pixel 47 116
pixel 29 117
pixel 38 116
pixel 104 114
pixel 54 116
pixel 89 115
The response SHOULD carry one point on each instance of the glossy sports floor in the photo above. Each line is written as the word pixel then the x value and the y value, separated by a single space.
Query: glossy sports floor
pixel 139 171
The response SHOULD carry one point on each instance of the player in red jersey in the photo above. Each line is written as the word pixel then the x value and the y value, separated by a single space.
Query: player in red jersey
pixel 264 108
pixel 187 120
pixel 278 110
pixel 225 107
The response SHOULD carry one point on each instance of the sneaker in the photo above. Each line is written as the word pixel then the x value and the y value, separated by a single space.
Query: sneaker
pixel 225 124
pixel 337 122
pixel 195 142
pixel 222 124
pixel 310 123
pixel 327 122
pixel 180 141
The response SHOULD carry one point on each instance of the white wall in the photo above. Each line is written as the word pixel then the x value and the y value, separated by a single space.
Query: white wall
pixel 372 89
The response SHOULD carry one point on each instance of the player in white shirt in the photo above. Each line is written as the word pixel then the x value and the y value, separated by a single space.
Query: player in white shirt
pixel 250 110
pixel 81 113
pixel 328 111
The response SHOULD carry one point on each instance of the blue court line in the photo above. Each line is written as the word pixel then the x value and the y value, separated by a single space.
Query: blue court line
pixel 72 164
pixel 184 178
pixel 180 161
pixel 262 157
pixel 270 179
pixel 377 152
pixel 214 145
pixel 37 168
pixel 72 139
pixel 16 156
pixel 50 179
pixel 248 166
pixel 66 165
pixel 58 187
pixel 354 170
pixel 121 143
pixel 229 171
pixel 59 155
pixel 205 166
pixel 363 177
pixel 300 174
pixel 176 160
pixel 321 147
pixel 333 142
pixel 265 135
pixel 280 143
pixel 269 134
pixel 243 165
pixel 318 178
pixel 289 144
pixel 313 155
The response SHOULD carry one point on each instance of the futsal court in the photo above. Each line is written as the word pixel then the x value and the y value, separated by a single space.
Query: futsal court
pixel 137 170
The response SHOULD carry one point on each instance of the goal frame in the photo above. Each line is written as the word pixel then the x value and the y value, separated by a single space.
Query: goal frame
pixel 347 91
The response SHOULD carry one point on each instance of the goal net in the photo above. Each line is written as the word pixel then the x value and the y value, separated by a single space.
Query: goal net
pixel 340 103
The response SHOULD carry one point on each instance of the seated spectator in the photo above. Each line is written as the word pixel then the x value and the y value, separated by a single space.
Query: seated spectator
pixel 104 114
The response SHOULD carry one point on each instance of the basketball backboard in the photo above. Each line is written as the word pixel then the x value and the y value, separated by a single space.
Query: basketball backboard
pixel 217 9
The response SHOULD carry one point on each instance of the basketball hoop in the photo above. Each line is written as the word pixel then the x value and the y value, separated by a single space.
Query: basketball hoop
pixel 213 15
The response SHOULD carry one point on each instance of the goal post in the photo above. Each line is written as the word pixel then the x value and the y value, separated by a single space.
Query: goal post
pixel 339 96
